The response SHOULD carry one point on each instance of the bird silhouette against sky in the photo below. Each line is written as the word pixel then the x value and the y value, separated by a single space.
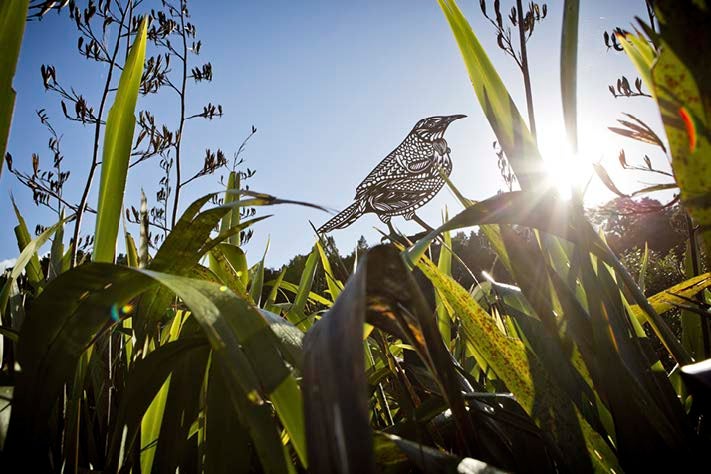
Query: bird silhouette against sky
pixel 405 180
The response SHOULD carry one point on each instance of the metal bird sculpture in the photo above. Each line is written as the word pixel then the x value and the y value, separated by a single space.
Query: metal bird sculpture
pixel 405 180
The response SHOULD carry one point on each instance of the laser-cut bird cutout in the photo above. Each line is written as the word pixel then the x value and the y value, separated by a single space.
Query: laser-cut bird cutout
pixel 405 180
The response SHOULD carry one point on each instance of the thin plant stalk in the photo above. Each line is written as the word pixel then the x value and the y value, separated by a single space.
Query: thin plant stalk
pixel 525 71
pixel 179 136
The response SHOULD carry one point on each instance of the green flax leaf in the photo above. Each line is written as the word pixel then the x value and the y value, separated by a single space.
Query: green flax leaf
pixel 569 69
pixel 12 27
pixel 118 140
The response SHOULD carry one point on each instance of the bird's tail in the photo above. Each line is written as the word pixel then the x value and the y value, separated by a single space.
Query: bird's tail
pixel 343 219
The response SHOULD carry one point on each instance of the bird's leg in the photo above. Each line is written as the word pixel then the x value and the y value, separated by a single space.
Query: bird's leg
pixel 391 229
pixel 421 222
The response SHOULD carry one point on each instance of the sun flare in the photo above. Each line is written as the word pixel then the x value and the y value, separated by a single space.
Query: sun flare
pixel 568 171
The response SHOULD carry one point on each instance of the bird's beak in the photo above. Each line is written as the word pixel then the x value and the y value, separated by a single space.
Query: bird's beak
pixel 446 121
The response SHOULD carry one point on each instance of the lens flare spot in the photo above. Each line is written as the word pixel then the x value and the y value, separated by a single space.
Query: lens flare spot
pixel 690 128
pixel 117 311
pixel 223 288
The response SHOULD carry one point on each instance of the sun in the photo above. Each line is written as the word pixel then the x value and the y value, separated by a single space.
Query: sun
pixel 568 171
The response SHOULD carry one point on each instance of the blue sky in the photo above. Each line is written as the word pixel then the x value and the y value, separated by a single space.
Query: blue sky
pixel 332 87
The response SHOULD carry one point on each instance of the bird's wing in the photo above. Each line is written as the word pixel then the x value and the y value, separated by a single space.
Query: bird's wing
pixel 381 170
pixel 394 167
pixel 394 195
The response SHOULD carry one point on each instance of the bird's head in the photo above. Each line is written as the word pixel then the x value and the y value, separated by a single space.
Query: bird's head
pixel 433 128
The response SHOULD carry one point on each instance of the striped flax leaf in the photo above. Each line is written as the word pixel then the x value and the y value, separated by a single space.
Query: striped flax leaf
pixel 680 81
pixel 229 263
pixel 294 289
pixel 524 375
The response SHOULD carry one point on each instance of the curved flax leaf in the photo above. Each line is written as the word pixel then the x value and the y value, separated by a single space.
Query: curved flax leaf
pixel 118 140
pixel 63 321
pixel 27 257
pixel 249 354
pixel 335 387
pixel 12 28
pixel 180 253
pixel 66 318
pixel 501 111
pixel 682 82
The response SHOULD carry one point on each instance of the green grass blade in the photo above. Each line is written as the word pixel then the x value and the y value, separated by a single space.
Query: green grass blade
pixel 334 286
pixel 118 140
pixel 692 337
pixel 131 251
pixel 25 259
pixel 569 69
pixel 641 281
pixel 271 298
pixel 12 28
pixel 445 266
pixel 255 289
pixel 233 218
pixel 34 271
pixel 56 255
pixel 176 450
pixel 296 312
